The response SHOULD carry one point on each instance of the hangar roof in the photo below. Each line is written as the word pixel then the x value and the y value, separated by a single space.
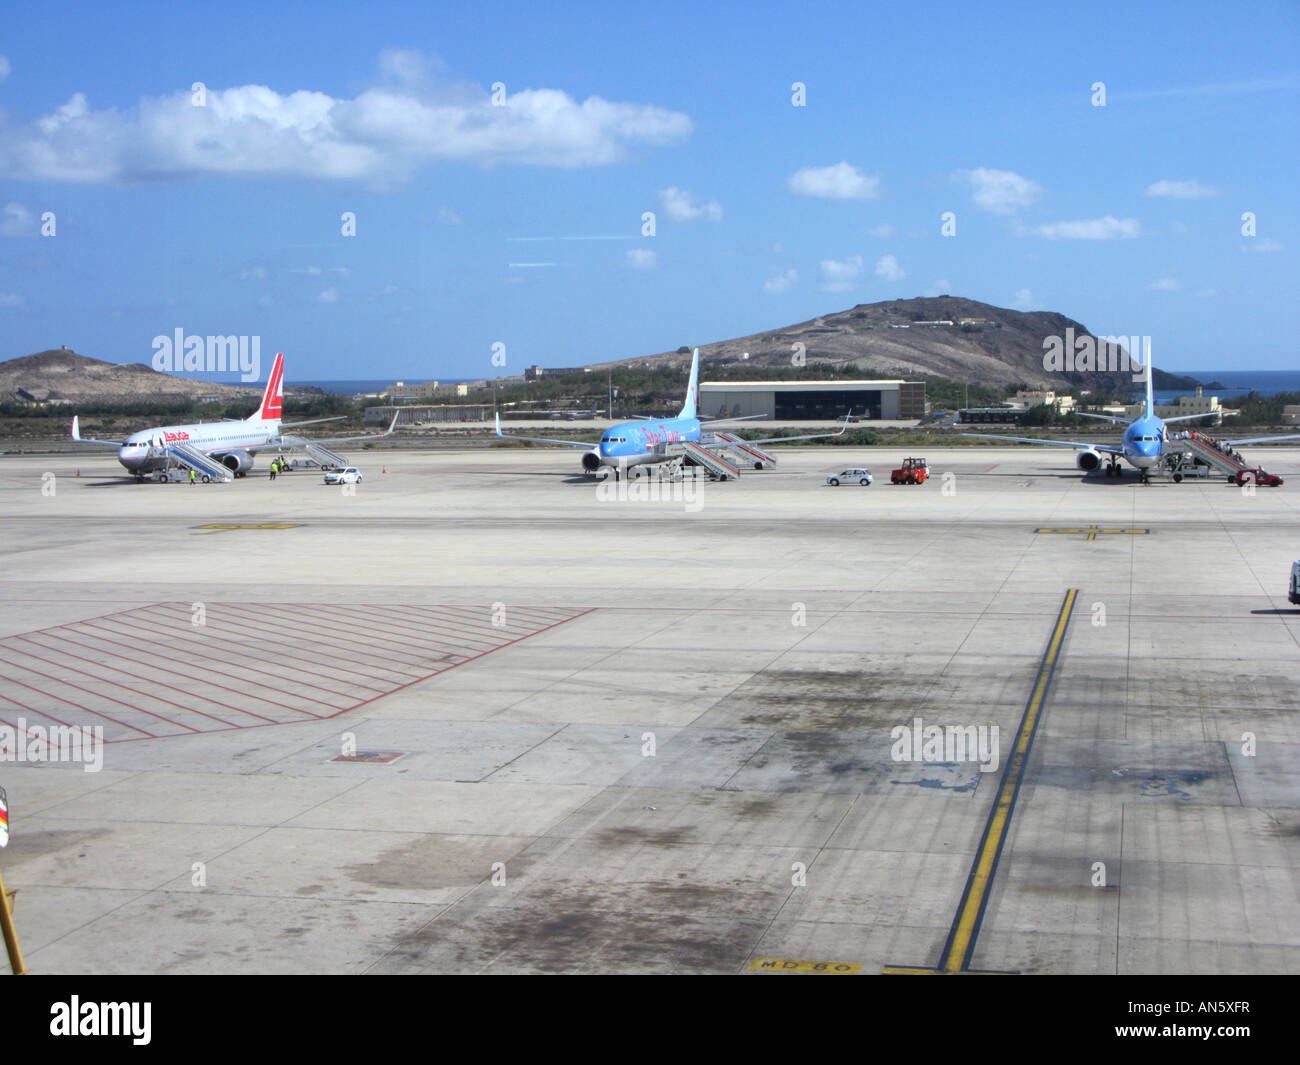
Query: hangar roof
pixel 796 386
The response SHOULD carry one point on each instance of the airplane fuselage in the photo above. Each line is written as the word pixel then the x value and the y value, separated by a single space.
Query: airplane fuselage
pixel 212 438
pixel 1143 441
pixel 633 443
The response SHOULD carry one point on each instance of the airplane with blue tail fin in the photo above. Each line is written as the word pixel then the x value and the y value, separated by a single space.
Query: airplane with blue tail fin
pixel 649 440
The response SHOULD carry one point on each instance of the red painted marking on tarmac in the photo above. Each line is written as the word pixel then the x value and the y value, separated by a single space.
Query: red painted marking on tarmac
pixel 289 643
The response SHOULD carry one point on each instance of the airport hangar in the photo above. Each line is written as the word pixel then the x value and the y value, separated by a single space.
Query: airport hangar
pixel 814 400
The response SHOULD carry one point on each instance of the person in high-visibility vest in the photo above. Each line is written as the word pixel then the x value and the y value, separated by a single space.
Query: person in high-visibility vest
pixel 192 478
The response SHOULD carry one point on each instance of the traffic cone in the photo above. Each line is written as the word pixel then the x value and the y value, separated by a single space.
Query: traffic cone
pixel 384 470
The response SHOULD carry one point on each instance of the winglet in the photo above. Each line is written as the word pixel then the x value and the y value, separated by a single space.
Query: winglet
pixel 847 415
pixel 498 417
pixel 76 431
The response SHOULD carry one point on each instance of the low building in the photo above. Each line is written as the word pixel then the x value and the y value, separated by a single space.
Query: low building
pixel 419 414
pixel 1183 406
pixel 1291 414
pixel 814 400
pixel 1039 398
pixel 1003 415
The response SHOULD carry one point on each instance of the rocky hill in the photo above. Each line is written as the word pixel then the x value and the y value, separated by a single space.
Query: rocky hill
pixel 977 343
pixel 61 375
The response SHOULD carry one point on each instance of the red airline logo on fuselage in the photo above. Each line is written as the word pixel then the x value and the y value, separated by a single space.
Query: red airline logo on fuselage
pixel 666 436
pixel 169 437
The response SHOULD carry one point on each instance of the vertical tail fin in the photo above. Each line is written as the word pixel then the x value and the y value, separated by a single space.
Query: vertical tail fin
pixel 273 397
pixel 1151 395
pixel 692 389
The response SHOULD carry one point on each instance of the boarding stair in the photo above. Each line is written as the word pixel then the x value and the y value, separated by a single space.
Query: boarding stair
pixel 718 468
pixel 1208 453
pixel 323 456
pixel 188 457
pixel 744 452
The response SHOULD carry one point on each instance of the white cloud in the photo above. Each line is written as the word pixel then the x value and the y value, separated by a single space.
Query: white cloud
pixel 329 295
pixel 383 134
pixel 642 259
pixel 774 286
pixel 1108 228
pixel 887 267
pixel 1022 300
pixel 253 273
pixel 1165 284
pixel 1181 190
pixel 448 217
pixel 940 288
pixel 839 182
pixel 12 299
pixel 15 220
pixel 5 68
pixel 680 206
pixel 840 275
pixel 1261 244
pixel 999 191
pixel 882 232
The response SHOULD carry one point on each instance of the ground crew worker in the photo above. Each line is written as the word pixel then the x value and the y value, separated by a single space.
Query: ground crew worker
pixel 274 466
pixel 193 479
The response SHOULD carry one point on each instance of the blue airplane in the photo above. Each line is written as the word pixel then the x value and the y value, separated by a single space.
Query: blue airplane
pixel 647 440
pixel 1143 445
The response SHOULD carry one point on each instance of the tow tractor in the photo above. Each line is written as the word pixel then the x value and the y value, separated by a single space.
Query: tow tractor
pixel 913 471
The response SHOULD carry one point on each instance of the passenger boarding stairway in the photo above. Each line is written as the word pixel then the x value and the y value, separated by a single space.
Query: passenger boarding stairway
pixel 1211 455
pixel 718 468
pixel 746 452
pixel 191 458
pixel 323 456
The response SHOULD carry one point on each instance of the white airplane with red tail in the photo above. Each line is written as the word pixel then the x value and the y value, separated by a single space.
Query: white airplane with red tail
pixel 219 450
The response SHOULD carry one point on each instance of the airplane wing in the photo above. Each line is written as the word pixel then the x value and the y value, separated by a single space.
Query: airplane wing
pixel 302 441
pixel 76 435
pixel 314 421
pixel 1263 439
pixel 779 439
pixel 1117 420
pixel 1110 449
pixel 1188 417
pixel 542 439
pixel 737 418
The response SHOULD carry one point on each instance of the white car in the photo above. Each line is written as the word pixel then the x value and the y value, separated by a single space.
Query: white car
pixel 862 477
pixel 347 475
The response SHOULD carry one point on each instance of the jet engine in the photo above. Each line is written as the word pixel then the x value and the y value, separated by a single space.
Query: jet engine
pixel 237 462
pixel 1088 460
pixel 591 460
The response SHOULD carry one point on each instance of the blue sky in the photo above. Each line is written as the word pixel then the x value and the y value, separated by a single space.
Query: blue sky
pixel 225 218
